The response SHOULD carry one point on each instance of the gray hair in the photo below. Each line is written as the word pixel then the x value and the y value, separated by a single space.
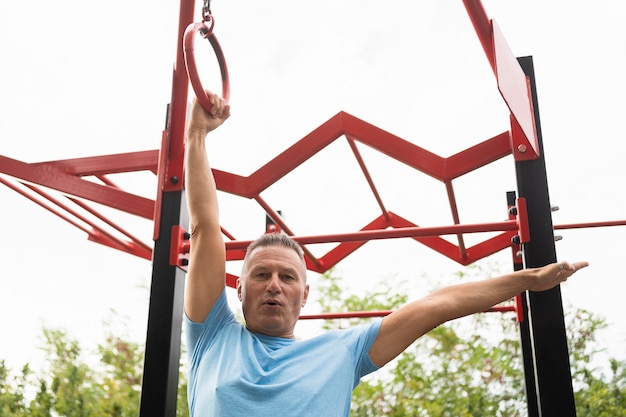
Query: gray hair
pixel 274 239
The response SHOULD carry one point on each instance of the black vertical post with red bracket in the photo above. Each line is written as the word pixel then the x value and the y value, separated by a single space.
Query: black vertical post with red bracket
pixel 548 340
pixel 159 389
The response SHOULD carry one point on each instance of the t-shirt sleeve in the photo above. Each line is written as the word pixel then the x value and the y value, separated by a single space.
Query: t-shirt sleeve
pixel 362 338
pixel 198 334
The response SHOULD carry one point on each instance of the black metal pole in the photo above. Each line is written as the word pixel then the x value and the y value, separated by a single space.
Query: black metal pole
pixel 554 390
pixel 163 341
pixel 159 390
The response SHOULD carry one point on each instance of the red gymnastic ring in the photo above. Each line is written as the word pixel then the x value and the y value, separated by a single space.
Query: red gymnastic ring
pixel 190 62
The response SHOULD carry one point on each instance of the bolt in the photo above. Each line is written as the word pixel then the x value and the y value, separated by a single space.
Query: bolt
pixel 174 179
pixel 521 148
pixel 516 240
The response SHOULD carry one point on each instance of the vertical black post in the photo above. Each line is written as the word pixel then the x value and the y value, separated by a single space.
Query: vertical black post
pixel 525 337
pixel 555 395
pixel 162 358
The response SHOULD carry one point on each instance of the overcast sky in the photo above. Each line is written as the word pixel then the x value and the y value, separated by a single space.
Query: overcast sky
pixel 86 79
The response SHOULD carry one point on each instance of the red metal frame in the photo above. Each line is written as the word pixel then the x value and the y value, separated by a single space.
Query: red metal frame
pixel 69 178
pixel 73 178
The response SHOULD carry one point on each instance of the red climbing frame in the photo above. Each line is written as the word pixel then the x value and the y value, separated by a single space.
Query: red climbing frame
pixel 71 177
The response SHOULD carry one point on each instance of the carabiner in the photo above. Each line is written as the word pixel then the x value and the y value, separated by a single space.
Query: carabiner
pixel 206 11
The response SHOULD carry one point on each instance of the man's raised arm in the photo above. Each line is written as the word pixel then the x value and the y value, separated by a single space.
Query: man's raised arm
pixel 207 258
pixel 404 326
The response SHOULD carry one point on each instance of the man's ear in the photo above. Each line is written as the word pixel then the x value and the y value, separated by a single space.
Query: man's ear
pixel 306 295
pixel 239 289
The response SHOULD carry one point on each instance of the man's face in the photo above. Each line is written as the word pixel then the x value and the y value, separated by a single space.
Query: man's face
pixel 273 290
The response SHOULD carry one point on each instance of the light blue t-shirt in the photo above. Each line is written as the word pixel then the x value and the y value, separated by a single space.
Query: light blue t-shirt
pixel 237 373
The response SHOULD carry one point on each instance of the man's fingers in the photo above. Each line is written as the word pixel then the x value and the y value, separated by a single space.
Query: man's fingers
pixel 580 265
pixel 572 266
pixel 218 106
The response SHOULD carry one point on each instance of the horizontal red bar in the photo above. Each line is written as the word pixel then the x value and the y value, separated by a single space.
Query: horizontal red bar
pixel 367 235
pixel 590 224
pixel 383 313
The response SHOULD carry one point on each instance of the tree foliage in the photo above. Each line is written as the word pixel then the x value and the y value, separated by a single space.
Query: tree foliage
pixel 68 386
pixel 472 366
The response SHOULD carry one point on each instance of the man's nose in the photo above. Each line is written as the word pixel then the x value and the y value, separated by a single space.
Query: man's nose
pixel 273 285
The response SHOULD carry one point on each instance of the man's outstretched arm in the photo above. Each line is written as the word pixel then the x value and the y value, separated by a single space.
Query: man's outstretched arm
pixel 207 258
pixel 404 326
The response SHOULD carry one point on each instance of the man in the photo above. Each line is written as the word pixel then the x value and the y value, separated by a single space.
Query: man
pixel 259 369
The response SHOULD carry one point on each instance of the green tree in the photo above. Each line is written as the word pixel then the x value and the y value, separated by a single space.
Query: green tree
pixel 12 387
pixel 68 386
pixel 471 366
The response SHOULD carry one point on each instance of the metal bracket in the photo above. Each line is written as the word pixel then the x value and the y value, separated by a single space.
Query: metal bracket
pixel 521 214
pixel 179 248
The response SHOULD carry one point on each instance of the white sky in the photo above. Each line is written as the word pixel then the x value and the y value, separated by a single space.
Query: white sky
pixel 87 79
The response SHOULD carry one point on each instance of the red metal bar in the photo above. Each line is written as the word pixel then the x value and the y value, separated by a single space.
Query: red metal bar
pixel 455 217
pixel 44 205
pixel 367 235
pixel 451 251
pixel 54 175
pixel 347 315
pixel 393 146
pixel 519 308
pixel 108 164
pixel 368 177
pixel 522 220
pixel 477 156
pixel 171 172
pixel 227 233
pixel 106 181
pixel 341 251
pixel 135 241
pixel 591 224
pixel 282 164
pixel 283 226
pixel 173 147
pixel 482 26
pixel 383 313
pixel 231 280
pixel 274 215
pixel 96 233
pixel 236 250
